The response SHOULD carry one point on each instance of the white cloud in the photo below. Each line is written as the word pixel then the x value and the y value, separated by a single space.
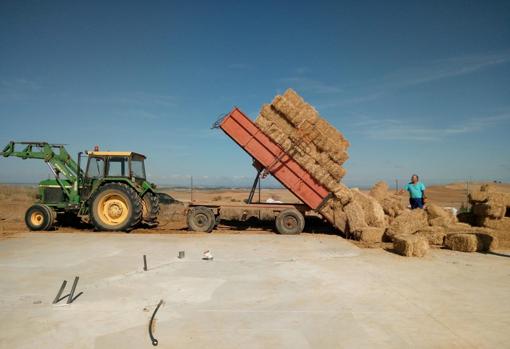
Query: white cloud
pixel 392 129
pixel 17 89
pixel 426 72
pixel 443 68
pixel 20 84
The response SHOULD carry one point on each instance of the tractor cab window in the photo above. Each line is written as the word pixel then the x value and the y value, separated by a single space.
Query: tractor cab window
pixel 118 167
pixel 95 168
pixel 137 167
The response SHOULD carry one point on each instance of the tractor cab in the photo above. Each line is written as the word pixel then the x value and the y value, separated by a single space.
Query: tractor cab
pixel 106 164
pixel 113 166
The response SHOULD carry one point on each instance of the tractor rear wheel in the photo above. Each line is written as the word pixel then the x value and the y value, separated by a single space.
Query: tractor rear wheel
pixel 39 217
pixel 150 208
pixel 290 222
pixel 201 219
pixel 115 207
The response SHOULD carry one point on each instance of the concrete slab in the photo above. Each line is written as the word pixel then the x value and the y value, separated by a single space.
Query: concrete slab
pixel 271 291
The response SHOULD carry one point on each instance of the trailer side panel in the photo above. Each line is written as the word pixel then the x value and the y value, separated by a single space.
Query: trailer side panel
pixel 287 171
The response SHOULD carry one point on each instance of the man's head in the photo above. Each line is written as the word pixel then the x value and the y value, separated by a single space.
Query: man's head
pixel 415 178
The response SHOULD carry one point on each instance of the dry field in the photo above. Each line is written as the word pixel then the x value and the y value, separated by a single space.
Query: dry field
pixel 14 200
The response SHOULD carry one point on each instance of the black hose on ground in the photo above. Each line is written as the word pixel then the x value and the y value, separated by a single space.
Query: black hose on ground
pixel 154 340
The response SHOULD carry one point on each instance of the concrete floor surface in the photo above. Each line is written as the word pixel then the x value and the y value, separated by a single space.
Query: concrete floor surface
pixel 259 291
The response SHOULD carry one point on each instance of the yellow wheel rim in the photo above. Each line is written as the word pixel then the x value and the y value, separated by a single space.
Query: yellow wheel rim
pixel 36 218
pixel 113 209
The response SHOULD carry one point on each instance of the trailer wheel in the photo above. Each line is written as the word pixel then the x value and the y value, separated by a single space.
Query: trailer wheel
pixel 290 222
pixel 150 208
pixel 39 217
pixel 115 207
pixel 201 219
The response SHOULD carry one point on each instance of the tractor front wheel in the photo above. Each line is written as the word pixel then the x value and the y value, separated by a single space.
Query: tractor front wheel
pixel 39 217
pixel 115 207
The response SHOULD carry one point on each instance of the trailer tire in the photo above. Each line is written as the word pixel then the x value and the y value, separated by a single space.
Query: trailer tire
pixel 39 217
pixel 115 207
pixel 150 208
pixel 201 219
pixel 290 222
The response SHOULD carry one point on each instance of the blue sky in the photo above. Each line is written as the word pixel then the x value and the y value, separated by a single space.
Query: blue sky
pixel 415 86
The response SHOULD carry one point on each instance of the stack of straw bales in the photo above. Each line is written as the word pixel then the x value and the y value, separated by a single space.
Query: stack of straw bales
pixel 314 144
pixel 381 214
pixel 310 140
pixel 490 209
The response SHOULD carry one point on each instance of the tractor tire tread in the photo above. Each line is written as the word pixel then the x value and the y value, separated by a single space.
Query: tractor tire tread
pixel 134 198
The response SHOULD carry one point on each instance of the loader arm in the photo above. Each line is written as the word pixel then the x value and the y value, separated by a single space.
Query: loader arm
pixel 55 155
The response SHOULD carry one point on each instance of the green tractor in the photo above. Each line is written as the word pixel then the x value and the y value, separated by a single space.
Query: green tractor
pixel 111 192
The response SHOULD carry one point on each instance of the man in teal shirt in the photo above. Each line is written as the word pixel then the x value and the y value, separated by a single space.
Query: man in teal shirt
pixel 416 191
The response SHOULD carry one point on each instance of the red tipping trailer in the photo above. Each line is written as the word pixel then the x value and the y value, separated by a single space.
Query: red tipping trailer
pixel 269 158
pixel 273 159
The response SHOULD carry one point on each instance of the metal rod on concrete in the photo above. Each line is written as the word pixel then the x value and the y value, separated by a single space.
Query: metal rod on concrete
pixel 71 295
pixel 57 298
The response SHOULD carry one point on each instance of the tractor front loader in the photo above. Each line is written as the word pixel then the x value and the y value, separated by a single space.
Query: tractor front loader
pixel 112 192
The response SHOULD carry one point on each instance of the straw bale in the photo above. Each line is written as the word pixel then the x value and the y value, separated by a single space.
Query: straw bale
pixel 440 222
pixel 374 214
pixel 294 98
pixel 341 192
pixel 379 191
pixel 306 113
pixel 339 154
pixel 393 205
pixel 462 242
pixel 458 227
pixel 355 217
pixel 331 132
pixel 487 187
pixel 408 222
pixel 498 224
pixel 472 241
pixel 263 122
pixel 434 235
pixel 435 211
pixel 272 115
pixel 489 209
pixel 333 212
pixel 370 234
pixel 410 245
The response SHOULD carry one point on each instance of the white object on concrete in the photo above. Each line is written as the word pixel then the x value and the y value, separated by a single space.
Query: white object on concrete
pixel 207 256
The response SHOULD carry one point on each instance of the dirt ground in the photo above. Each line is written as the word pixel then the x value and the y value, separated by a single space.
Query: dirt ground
pixel 14 201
